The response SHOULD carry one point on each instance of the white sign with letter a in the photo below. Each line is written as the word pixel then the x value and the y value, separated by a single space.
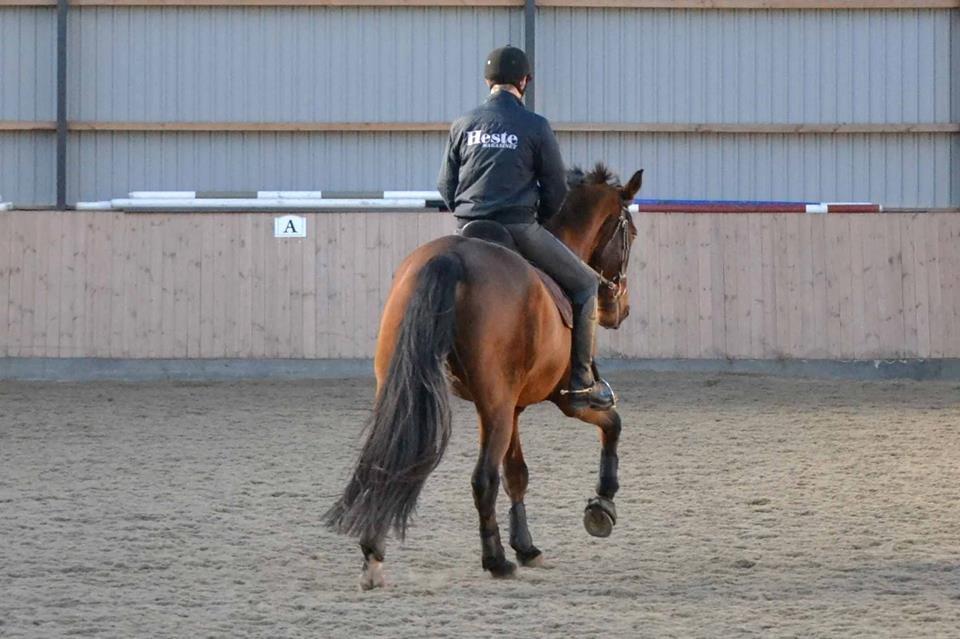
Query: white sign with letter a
pixel 290 226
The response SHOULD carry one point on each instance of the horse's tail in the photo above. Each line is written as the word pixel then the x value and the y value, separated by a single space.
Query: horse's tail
pixel 410 426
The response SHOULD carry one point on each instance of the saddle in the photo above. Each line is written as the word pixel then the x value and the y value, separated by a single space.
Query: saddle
pixel 494 232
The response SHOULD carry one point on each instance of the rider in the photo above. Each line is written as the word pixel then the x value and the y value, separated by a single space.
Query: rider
pixel 502 163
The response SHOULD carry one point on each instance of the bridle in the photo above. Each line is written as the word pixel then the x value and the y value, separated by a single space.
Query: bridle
pixel 616 283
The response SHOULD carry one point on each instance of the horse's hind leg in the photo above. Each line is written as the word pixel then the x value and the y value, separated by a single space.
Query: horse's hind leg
pixel 374 548
pixel 516 477
pixel 495 430
pixel 372 574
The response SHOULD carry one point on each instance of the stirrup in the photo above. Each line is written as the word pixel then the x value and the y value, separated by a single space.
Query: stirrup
pixel 587 391
pixel 609 388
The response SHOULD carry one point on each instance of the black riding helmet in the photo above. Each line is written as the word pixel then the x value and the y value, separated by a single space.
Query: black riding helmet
pixel 506 65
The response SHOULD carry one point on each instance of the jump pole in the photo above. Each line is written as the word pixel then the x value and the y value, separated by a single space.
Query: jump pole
pixel 296 200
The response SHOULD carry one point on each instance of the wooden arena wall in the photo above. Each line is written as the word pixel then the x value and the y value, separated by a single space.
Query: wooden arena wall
pixel 102 284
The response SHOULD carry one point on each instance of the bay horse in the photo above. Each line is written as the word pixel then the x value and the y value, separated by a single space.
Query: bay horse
pixel 472 315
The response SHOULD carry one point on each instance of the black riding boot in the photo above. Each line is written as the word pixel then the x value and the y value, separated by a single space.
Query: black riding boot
pixel 587 390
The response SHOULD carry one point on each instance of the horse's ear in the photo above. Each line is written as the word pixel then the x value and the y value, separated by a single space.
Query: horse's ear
pixel 633 186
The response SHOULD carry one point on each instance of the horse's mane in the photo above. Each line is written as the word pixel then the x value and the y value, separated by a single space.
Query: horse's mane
pixel 580 198
pixel 599 175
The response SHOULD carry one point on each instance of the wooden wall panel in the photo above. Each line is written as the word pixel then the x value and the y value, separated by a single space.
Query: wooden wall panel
pixel 949 263
pixel 702 286
pixel 6 273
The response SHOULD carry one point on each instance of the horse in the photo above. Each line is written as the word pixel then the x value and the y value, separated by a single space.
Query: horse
pixel 473 316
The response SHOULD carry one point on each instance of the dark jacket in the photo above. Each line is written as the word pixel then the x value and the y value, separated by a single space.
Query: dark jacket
pixel 501 162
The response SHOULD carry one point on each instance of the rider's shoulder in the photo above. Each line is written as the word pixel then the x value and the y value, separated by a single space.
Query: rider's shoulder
pixel 462 121
pixel 540 124
pixel 539 121
pixel 472 117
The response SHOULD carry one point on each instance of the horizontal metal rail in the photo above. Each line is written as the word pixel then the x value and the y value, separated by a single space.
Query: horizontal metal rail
pixel 585 4
pixel 798 128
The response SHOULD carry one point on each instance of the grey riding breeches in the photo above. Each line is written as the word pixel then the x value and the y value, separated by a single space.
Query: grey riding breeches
pixel 552 256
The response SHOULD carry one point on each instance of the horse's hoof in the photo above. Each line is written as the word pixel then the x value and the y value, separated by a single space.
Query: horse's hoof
pixel 532 558
pixel 372 575
pixel 500 568
pixel 599 517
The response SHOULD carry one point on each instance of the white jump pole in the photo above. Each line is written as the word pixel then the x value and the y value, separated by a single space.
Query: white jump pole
pixel 228 204
pixel 94 206
pixel 285 195
pixel 164 195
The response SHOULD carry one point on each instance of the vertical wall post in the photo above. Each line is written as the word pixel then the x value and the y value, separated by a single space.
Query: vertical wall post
pixel 954 79
pixel 530 46
pixel 62 7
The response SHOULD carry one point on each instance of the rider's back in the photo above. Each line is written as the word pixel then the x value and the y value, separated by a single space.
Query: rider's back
pixel 501 153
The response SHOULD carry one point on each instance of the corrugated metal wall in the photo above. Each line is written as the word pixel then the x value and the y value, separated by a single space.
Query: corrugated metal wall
pixel 622 65
pixel 693 66
pixel 894 169
pixel 27 93
pixel 955 103
pixel 272 64
pixel 383 64
pixel 107 164
pixel 27 64
pixel 28 167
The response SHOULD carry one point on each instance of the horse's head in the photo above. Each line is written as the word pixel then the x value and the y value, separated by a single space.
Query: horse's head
pixel 596 223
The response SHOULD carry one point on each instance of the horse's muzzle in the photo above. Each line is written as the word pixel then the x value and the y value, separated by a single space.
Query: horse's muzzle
pixel 613 312
pixel 620 316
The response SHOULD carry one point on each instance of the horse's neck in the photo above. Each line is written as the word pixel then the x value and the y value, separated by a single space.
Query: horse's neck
pixel 580 236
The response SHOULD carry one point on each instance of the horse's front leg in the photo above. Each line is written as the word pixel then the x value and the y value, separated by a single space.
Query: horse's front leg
pixel 600 514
